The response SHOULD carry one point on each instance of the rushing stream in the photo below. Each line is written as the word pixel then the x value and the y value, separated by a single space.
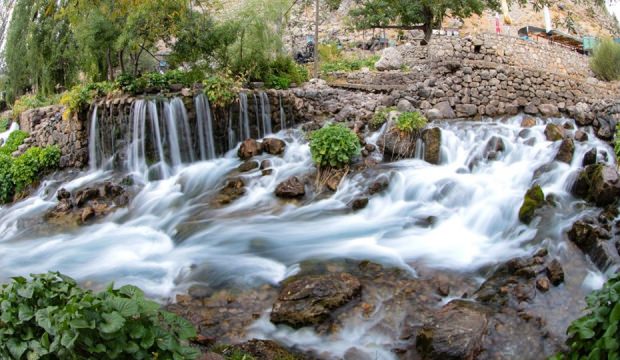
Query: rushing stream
pixel 170 237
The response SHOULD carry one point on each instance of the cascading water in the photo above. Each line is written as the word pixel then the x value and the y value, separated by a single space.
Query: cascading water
pixel 244 122
pixel 92 140
pixel 282 114
pixel 204 118
pixel 266 113
pixel 172 237
pixel 6 12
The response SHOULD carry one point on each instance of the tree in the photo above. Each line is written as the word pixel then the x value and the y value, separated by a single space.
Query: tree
pixel 418 14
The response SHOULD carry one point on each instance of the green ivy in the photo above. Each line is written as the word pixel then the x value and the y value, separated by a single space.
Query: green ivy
pixel 6 178
pixel 334 146
pixel 15 139
pixel 596 335
pixel 50 317
pixel 221 89
pixel 380 117
pixel 409 122
pixel 16 174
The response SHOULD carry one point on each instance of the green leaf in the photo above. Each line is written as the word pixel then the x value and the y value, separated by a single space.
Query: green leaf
pixel 16 348
pixel 113 322
pixel 43 319
pixel 25 312
pixel 614 316
pixel 125 307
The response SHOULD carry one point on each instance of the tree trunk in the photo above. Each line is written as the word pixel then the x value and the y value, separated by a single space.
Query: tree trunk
pixel 121 61
pixel 108 59
pixel 136 63
pixel 427 27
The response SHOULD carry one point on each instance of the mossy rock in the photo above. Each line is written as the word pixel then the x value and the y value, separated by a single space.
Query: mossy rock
pixel 534 198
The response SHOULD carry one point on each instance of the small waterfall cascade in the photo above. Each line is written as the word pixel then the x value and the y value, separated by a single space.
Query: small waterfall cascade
pixel 259 127
pixel 265 113
pixel 6 12
pixel 92 141
pixel 244 121
pixel 282 114
pixel 419 149
pixel 204 120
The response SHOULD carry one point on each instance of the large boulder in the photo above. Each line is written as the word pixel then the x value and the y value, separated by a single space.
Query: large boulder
pixel 310 300
pixel 456 332
pixel 249 148
pixel 291 188
pixel 549 110
pixel 391 59
pixel 554 132
pixel 442 110
pixel 597 183
pixel 534 198
pixel 466 110
pixel 566 151
pixel 594 240
pixel 273 146
pixel 398 145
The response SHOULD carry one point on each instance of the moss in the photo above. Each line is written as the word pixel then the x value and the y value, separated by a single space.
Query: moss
pixel 534 198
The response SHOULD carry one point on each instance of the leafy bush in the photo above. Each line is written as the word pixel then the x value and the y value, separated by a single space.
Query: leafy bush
pixel 333 4
pixel 51 317
pixel 409 122
pixel 221 89
pixel 380 117
pixel 605 61
pixel 15 139
pixel 334 146
pixel 595 335
pixel 27 168
pixel 81 96
pixel 6 178
pixel 31 101
pixel 283 71
pixel 4 124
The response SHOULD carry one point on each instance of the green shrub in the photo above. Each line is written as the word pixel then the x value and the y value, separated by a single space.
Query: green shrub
pixel 605 61
pixel 596 335
pixel 380 117
pixel 15 139
pixel 51 317
pixel 80 96
pixel 221 89
pixel 334 146
pixel 6 178
pixel 283 71
pixel 409 122
pixel 30 101
pixel 617 141
pixel 333 4
pixel 4 124
pixel 27 168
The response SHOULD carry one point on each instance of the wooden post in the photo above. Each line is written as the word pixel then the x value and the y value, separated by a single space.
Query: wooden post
pixel 316 40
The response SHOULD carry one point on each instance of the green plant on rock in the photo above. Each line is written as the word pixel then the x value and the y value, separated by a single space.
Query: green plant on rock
pixel 410 122
pixel 6 178
pixel 596 335
pixel 50 317
pixel 534 198
pixel 380 117
pixel 4 124
pixel 617 141
pixel 27 168
pixel 15 139
pixel 81 96
pixel 334 146
pixel 605 61
pixel 31 101
pixel 221 89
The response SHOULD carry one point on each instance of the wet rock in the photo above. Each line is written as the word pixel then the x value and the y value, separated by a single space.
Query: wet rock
pixel 359 203
pixel 554 132
pixel 85 195
pixel 543 284
pixel 432 145
pixel 397 145
pixel 249 148
pixel 274 146
pixel 63 194
pixel 605 129
pixel 593 240
pixel 266 167
pixel 598 183
pixel 309 300
pixel 248 166
pixel 356 354
pixel 534 199
pixel 443 111
pixel 110 190
pixel 291 188
pixel 234 189
pixel 370 147
pixel 265 350
pixel 568 126
pixel 334 179
pixel 581 136
pixel 555 272
pixel 378 186
pixel 87 214
pixel 566 151
pixel 589 158
pixel 494 147
pixel 456 332
pixel 528 122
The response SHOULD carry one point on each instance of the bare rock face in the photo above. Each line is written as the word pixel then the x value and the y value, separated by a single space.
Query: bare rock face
pixel 548 110
pixel 554 132
pixel 396 145
pixel 310 300
pixel 456 332
pixel 528 122
pixel 249 148
pixel 432 145
pixel 391 59
pixel 598 183
pixel 566 151
pixel 291 188
pixel 594 240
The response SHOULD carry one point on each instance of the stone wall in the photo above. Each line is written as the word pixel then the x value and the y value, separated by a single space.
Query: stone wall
pixel 47 127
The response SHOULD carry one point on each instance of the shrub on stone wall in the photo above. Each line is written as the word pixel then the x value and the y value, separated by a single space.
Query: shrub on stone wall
pixel 15 139
pixel 16 174
pixel 410 122
pixel 605 61
pixel 334 146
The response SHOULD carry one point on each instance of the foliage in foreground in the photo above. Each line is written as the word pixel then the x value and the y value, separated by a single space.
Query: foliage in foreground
pixel 32 101
pixel 16 174
pixel 334 146
pixel 380 117
pixel 617 141
pixel 4 124
pixel 82 95
pixel 409 122
pixel 596 335
pixel 15 139
pixel 51 317
pixel 605 61
pixel 333 60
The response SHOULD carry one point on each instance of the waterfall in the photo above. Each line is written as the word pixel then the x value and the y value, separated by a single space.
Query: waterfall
pixel 173 135
pixel 258 117
pixel 204 119
pixel 182 121
pixel 282 114
pixel 136 151
pixel 232 141
pixel 92 141
pixel 419 149
pixel 6 12
pixel 266 113
pixel 244 123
